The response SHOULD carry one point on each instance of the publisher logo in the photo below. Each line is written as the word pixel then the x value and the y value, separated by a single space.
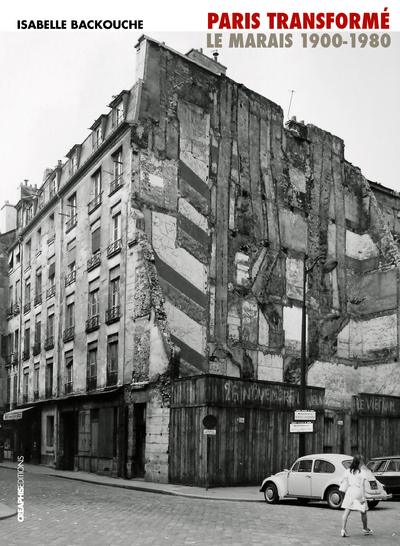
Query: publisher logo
pixel 20 488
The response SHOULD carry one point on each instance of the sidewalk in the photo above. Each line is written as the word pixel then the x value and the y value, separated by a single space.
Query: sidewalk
pixel 242 494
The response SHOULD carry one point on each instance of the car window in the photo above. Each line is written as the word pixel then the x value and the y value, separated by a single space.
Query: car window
pixel 302 466
pixel 323 467
pixel 374 465
pixel 394 466
pixel 346 464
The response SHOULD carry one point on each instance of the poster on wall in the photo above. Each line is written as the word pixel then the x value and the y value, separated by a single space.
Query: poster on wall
pixel 193 191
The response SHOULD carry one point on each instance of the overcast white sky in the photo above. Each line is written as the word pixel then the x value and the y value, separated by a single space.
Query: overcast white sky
pixel 55 84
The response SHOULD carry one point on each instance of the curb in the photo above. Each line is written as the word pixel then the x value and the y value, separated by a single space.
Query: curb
pixel 6 512
pixel 152 490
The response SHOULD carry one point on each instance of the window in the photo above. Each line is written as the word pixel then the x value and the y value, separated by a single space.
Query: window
pixel 116 227
pixel 302 466
pixel 38 333
pixel 96 193
pixel 16 342
pixel 39 241
pixel 69 331
pixel 52 233
pixel 119 113
pixel 49 378
pixel 50 323
pixel 71 263
pixel 323 467
pixel 28 253
pixel 97 137
pixel 36 383
pixel 113 311
pixel 96 240
pixel 15 388
pixel 52 187
pixel 70 315
pixel 93 309
pixel 69 372
pixel 112 360
pixel 27 340
pixel 25 385
pixel 74 163
pixel 38 287
pixel 10 345
pixel 71 211
pixel 27 305
pixel 92 366
pixel 17 291
pixel 117 171
pixel 50 430
pixel 52 274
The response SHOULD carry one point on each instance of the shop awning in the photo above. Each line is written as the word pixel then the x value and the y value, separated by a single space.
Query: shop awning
pixel 15 414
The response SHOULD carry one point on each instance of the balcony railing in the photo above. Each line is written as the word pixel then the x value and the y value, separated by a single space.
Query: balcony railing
pixel 94 261
pixel 70 278
pixel 91 383
pixel 51 292
pixel 16 308
pixel 112 378
pixel 49 343
pixel 116 184
pixel 114 248
pixel 94 203
pixel 9 312
pixel 48 392
pixel 36 349
pixel 93 323
pixel 27 307
pixel 25 354
pixel 71 223
pixel 36 395
pixel 37 300
pixel 68 387
pixel 51 239
pixel 113 314
pixel 69 334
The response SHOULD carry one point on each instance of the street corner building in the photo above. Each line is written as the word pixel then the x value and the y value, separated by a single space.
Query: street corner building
pixel 160 274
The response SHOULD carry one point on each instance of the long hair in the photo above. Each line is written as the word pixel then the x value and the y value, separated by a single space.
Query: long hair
pixel 356 463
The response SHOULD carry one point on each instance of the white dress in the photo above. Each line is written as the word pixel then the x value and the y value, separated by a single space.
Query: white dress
pixel 354 491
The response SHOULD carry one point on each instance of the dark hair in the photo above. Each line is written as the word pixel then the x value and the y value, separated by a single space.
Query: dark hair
pixel 356 463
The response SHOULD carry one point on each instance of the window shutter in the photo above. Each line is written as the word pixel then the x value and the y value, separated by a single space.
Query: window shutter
pixel 4 346
pixel 96 241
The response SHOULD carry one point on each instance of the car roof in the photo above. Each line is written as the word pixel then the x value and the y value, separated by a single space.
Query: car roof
pixel 384 458
pixel 335 457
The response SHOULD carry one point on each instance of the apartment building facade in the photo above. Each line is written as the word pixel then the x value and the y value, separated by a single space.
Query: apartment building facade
pixel 171 244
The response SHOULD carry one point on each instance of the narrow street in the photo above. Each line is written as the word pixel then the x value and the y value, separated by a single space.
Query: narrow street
pixel 64 512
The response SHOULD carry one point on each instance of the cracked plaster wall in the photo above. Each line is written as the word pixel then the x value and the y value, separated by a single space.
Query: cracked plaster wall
pixel 268 197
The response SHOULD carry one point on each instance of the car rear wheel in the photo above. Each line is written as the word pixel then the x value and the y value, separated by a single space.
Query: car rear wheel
pixel 372 504
pixel 271 493
pixel 334 498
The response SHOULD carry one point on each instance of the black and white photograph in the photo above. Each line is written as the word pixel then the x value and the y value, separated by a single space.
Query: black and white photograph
pixel 200 274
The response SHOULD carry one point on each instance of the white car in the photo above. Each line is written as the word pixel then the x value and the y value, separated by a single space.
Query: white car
pixel 318 477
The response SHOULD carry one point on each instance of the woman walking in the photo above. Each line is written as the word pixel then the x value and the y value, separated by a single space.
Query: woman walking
pixel 354 498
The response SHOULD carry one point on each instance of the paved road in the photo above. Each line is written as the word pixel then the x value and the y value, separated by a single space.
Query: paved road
pixel 63 512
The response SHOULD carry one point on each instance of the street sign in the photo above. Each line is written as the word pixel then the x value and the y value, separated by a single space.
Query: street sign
pixel 210 432
pixel 12 416
pixel 305 415
pixel 301 427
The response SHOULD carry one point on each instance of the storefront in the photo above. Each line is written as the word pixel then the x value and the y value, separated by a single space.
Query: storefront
pixel 21 434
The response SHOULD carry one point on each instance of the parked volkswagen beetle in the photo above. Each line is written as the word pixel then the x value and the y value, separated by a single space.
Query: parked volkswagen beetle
pixel 317 477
